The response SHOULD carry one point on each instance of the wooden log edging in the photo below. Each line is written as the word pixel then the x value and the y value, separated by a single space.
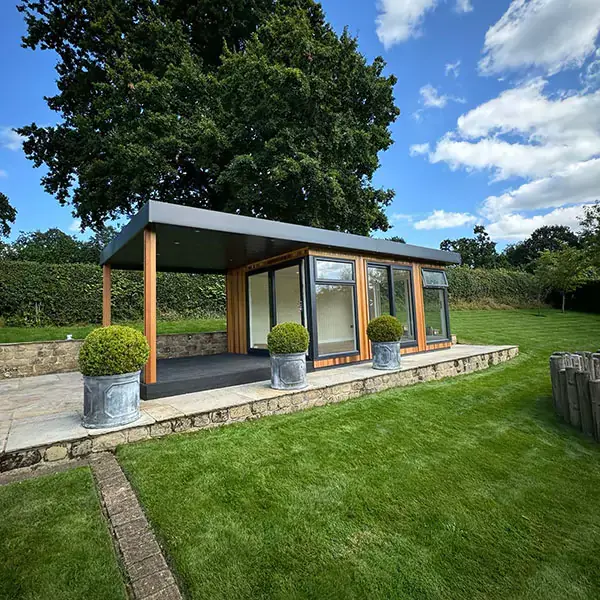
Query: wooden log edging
pixel 575 380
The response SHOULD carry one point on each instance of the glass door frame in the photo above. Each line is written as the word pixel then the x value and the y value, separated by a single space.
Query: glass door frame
pixel 313 281
pixel 271 269
pixel 392 296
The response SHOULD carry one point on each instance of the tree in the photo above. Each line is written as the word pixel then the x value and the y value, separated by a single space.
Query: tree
pixel 549 237
pixel 284 121
pixel 396 238
pixel 590 232
pixel 8 214
pixel 477 252
pixel 564 270
pixel 56 247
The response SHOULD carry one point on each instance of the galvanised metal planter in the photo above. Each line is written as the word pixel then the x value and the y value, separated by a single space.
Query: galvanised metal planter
pixel 111 400
pixel 386 355
pixel 288 371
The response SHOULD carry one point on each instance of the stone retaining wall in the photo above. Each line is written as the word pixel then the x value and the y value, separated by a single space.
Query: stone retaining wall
pixel 43 358
pixel 253 409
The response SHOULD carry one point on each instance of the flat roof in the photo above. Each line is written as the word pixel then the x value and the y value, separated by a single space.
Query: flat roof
pixel 205 241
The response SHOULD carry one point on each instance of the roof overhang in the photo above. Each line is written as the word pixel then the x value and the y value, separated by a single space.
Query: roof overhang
pixel 205 241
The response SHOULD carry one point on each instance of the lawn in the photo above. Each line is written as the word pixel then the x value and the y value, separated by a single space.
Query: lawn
pixel 467 488
pixel 45 334
pixel 54 542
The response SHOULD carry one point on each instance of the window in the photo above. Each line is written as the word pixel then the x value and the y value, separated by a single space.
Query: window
pixel 390 293
pixel 335 307
pixel 259 310
pixel 335 270
pixel 435 299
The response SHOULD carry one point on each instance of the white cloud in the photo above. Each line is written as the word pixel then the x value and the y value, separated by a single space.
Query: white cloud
pixel 431 98
pixel 464 6
pixel 440 219
pixel 402 217
pixel 10 139
pixel 579 183
pixel 418 149
pixel 518 227
pixel 453 69
pixel 591 75
pixel 399 20
pixel 552 133
pixel 75 226
pixel 549 34
pixel 3 173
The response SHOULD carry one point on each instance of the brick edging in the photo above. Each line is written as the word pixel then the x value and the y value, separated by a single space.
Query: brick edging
pixel 255 409
pixel 147 571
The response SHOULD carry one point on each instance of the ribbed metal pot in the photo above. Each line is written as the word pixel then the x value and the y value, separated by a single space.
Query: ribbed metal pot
pixel 386 355
pixel 288 371
pixel 111 400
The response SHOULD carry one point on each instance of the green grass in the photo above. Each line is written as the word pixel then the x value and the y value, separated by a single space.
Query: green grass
pixel 45 334
pixel 54 543
pixel 467 488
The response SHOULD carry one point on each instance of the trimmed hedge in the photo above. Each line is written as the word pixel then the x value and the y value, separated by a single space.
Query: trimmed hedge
pixel 35 294
pixel 491 287
pixel 288 338
pixel 385 329
pixel 112 351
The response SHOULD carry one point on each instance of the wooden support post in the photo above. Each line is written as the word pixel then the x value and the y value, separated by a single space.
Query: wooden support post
pixel 106 295
pixel 150 302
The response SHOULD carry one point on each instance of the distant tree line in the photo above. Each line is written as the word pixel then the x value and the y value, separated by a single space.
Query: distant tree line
pixel 561 259
pixel 56 247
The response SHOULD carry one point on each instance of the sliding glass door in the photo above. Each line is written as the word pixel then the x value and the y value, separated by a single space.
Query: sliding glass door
pixel 275 296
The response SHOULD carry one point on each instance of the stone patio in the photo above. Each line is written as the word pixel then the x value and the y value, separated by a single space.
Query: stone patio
pixel 40 417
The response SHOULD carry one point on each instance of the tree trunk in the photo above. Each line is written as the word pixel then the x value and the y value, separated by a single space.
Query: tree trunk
pixel 563 301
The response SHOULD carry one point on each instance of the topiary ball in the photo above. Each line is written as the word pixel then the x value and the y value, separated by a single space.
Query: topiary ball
pixel 112 351
pixel 385 329
pixel 288 338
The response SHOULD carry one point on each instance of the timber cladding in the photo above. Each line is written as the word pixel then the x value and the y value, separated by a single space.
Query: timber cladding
pixel 237 341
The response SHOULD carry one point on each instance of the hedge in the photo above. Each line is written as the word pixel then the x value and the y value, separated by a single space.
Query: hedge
pixel 491 287
pixel 37 294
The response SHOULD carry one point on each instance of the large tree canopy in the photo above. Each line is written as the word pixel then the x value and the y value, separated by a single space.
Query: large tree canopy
pixel 8 214
pixel 476 252
pixel 253 107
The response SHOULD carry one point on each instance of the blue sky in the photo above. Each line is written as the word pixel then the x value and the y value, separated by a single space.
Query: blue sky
pixel 500 119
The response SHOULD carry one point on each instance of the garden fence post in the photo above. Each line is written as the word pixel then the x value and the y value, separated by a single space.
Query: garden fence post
pixel 574 414
pixel 557 363
pixel 594 387
pixel 582 381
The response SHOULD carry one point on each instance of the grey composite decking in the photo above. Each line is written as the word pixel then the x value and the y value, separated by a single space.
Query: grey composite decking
pixel 177 376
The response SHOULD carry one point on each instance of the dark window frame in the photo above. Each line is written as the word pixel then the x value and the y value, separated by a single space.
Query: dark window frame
pixel 444 289
pixel 313 282
pixel 390 268
pixel 273 297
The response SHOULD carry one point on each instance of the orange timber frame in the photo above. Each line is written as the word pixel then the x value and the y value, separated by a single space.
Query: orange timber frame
pixel 149 373
pixel 237 335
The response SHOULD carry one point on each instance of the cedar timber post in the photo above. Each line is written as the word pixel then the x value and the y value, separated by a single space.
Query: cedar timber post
pixel 106 293
pixel 150 302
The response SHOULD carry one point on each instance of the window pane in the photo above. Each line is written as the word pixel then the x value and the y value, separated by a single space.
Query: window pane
pixel 435 314
pixel 379 292
pixel 403 302
pixel 336 331
pixel 260 321
pixel 434 279
pixel 329 269
pixel 287 295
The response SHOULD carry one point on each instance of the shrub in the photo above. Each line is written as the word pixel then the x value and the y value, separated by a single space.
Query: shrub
pixel 113 350
pixel 288 338
pixel 35 294
pixel 385 329
pixel 494 288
